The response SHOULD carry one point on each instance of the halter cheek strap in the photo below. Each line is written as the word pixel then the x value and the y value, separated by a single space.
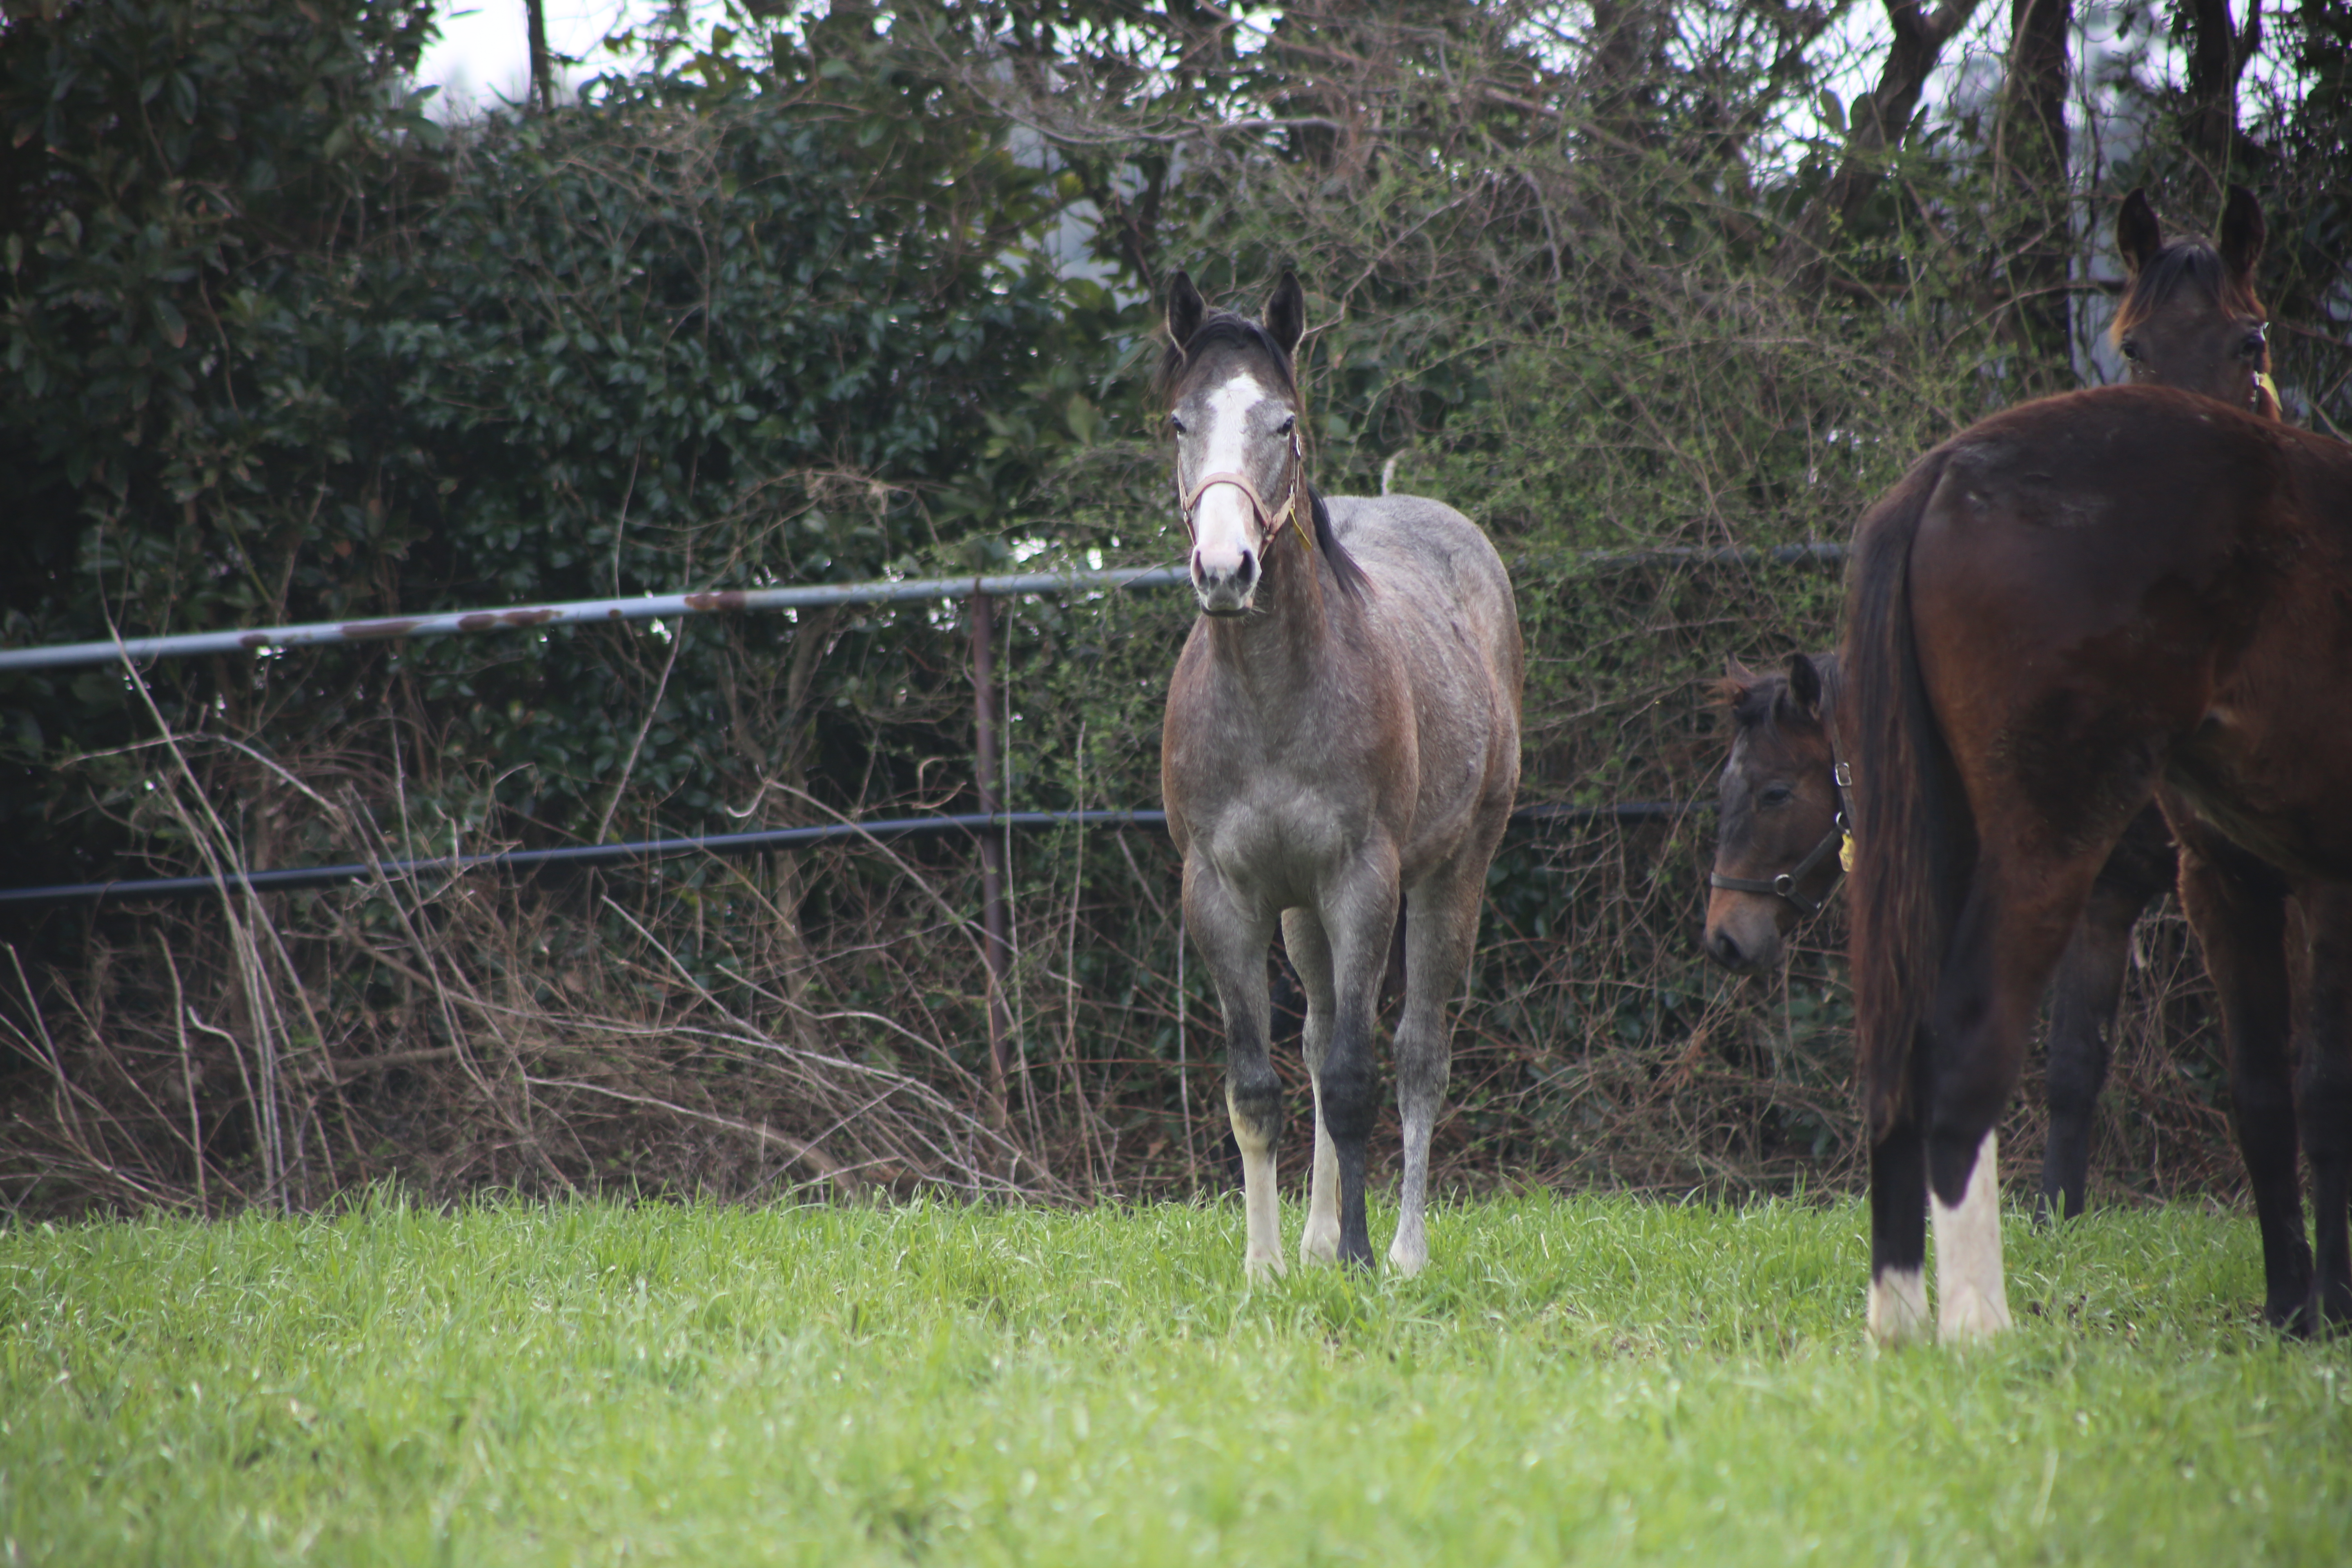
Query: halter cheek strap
pixel 1787 885
pixel 2264 399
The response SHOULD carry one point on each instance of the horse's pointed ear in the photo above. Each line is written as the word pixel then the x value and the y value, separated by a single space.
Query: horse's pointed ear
pixel 2242 232
pixel 2137 234
pixel 1734 683
pixel 1805 685
pixel 1185 309
pixel 1285 312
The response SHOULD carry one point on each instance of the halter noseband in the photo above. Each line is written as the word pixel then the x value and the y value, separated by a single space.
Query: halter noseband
pixel 1269 522
pixel 1839 839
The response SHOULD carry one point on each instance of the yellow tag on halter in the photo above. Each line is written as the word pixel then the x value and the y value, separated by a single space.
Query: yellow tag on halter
pixel 2263 380
pixel 1845 853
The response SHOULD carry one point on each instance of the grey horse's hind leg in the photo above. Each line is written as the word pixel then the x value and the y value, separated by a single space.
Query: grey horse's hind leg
pixel 1310 956
pixel 1441 932
pixel 1233 940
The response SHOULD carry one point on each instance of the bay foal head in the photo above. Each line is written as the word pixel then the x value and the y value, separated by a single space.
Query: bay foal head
pixel 1778 828
pixel 1233 406
pixel 2189 317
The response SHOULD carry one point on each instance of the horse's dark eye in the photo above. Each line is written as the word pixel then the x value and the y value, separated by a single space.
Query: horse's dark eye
pixel 1176 425
pixel 1776 794
pixel 2131 350
pixel 2256 341
pixel 1289 423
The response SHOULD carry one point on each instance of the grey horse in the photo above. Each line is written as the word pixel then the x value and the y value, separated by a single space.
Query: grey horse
pixel 1339 755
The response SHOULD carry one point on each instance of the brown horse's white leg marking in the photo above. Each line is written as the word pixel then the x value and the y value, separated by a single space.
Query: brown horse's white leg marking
pixel 1971 1296
pixel 1898 1305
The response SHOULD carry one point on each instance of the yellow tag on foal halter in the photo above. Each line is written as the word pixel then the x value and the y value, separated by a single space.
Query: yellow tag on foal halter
pixel 1845 853
pixel 2263 380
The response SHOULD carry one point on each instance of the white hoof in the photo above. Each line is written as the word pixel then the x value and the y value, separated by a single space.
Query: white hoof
pixel 1257 1270
pixel 1898 1307
pixel 1408 1253
pixel 1968 1316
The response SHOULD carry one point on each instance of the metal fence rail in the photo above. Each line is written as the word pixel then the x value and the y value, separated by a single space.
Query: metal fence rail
pixel 294 878
pixel 578 612
pixel 979 590
pixel 601 612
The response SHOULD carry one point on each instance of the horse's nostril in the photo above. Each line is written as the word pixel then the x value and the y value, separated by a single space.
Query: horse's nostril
pixel 1727 950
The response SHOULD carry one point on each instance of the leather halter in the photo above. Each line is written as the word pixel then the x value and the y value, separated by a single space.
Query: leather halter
pixel 1838 839
pixel 1269 522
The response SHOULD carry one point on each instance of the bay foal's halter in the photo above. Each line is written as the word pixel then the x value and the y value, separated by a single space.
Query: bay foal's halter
pixel 1839 840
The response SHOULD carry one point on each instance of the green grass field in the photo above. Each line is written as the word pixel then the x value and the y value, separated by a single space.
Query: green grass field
pixel 1589 1380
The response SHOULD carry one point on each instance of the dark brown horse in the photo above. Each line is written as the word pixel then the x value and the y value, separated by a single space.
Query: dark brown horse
pixel 1340 749
pixel 2065 611
pixel 1779 825
pixel 2188 317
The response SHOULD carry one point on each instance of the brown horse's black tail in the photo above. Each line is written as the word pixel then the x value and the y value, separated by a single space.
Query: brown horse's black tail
pixel 1914 839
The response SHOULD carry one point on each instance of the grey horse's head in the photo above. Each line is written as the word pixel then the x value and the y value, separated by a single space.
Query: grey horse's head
pixel 1233 406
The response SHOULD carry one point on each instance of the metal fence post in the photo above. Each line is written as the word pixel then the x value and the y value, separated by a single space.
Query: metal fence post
pixel 994 922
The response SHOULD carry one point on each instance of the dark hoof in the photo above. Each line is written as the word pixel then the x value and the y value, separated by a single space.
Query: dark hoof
pixel 2294 1321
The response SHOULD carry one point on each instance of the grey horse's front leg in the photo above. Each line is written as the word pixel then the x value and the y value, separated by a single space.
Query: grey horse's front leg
pixel 1310 957
pixel 1356 918
pixel 1233 939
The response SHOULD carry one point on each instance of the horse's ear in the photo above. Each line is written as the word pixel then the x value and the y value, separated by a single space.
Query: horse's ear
pixel 2137 234
pixel 1734 683
pixel 2242 232
pixel 1285 312
pixel 1185 309
pixel 1805 685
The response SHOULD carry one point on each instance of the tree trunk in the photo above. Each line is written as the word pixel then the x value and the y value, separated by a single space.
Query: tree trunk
pixel 1873 125
pixel 1628 41
pixel 2029 177
pixel 2218 53
pixel 543 68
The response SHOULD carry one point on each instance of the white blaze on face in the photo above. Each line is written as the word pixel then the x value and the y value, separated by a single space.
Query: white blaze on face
pixel 1222 525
